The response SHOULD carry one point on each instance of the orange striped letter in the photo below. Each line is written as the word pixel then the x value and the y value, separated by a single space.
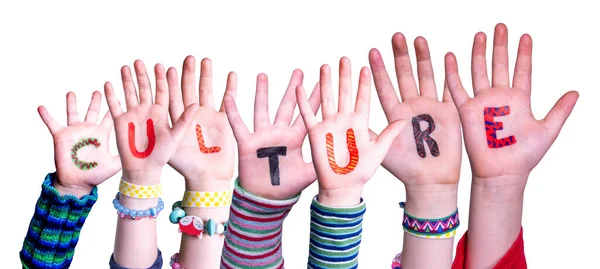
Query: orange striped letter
pixel 352 150
pixel 203 148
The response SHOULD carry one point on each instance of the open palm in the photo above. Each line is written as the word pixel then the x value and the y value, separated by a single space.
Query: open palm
pixel 437 163
pixel 144 138
pixel 343 152
pixel 81 153
pixel 207 152
pixel 256 175
pixel 514 147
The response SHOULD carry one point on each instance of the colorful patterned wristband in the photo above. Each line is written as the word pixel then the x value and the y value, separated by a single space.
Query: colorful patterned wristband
pixel 124 212
pixel 206 199
pixel 431 228
pixel 139 191
pixel 194 226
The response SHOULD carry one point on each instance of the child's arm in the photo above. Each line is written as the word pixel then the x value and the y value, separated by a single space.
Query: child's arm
pixel 345 158
pixel 68 194
pixel 272 176
pixel 145 142
pixel 205 158
pixel 426 156
pixel 504 143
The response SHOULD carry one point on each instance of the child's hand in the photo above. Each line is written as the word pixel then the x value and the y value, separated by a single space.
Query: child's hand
pixel 81 148
pixel 205 157
pixel 429 151
pixel 502 137
pixel 344 155
pixel 144 139
pixel 270 159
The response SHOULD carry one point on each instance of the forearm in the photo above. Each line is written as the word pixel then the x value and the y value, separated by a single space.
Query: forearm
pixel 494 220
pixel 55 226
pixel 204 253
pixel 253 237
pixel 136 240
pixel 335 232
pixel 429 202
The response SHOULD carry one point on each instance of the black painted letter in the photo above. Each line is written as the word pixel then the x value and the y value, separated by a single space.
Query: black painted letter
pixel 273 154
pixel 423 135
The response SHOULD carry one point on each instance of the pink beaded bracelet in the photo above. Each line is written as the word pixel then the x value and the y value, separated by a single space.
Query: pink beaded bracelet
pixel 175 262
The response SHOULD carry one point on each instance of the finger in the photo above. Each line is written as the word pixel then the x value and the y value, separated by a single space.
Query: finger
pixel 206 84
pixel 113 103
pixel 94 108
pixel 162 86
pixel 383 85
pixel 479 75
pixel 387 136
pixel 175 100
pixel 305 110
pixel 230 89
pixel 345 87
pixel 107 121
pixel 143 82
pixel 327 103
pixel 131 97
pixel 183 123
pixel 188 81
pixel 560 112
pixel 522 74
pixel 72 115
pixel 404 73
pixel 233 116
pixel 447 97
pixel 285 113
pixel 363 96
pixel 315 101
pixel 459 95
pixel 425 69
pixel 500 77
pixel 261 103
pixel 51 123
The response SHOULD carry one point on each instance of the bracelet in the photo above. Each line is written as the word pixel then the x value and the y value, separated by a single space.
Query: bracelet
pixel 396 262
pixel 124 212
pixel 431 228
pixel 194 226
pixel 206 199
pixel 139 191
pixel 175 262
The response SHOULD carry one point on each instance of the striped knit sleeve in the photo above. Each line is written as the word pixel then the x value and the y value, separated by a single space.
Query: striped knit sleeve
pixel 253 236
pixel 54 229
pixel 335 235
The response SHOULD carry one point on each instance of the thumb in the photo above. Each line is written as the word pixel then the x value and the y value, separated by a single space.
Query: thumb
pixel 183 123
pixel 387 136
pixel 560 112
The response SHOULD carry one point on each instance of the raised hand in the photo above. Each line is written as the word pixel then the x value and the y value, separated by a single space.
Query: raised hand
pixel 144 138
pixel 270 158
pixel 205 156
pixel 429 151
pixel 81 152
pixel 501 135
pixel 344 154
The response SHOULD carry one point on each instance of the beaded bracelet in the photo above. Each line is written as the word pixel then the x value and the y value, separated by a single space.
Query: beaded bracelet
pixel 431 228
pixel 397 261
pixel 175 262
pixel 124 212
pixel 193 225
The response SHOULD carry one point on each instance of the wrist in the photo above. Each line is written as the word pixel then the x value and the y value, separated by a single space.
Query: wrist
pixel 75 190
pixel 431 201
pixel 145 178
pixel 199 184
pixel 340 197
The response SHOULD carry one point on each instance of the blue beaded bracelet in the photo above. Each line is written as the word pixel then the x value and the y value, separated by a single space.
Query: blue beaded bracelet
pixel 124 212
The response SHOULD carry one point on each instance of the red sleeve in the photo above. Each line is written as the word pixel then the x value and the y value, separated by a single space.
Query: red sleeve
pixel 513 259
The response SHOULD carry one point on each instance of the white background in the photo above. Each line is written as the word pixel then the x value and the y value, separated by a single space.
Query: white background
pixel 50 47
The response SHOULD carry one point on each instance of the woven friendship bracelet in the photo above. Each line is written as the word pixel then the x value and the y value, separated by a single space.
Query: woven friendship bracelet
pixel 431 228
pixel 206 199
pixel 139 191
